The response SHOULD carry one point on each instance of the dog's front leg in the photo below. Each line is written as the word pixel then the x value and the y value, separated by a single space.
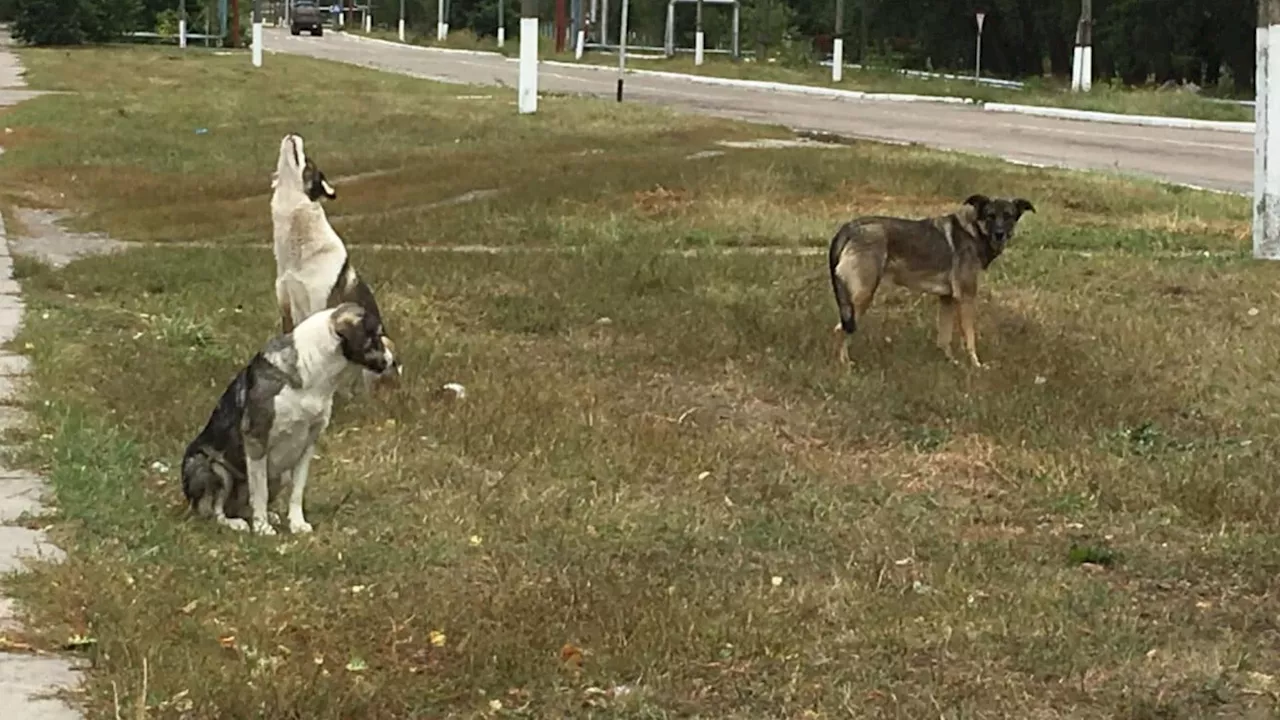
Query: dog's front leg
pixel 258 494
pixel 297 522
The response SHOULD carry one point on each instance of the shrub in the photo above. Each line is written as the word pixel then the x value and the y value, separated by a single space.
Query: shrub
pixel 73 22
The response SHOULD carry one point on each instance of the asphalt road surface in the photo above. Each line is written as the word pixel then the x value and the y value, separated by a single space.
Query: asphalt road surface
pixel 1207 158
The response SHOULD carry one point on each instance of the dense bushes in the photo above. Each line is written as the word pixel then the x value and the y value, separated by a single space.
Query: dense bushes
pixel 72 22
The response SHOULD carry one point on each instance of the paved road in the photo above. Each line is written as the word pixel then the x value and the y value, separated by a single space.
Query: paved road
pixel 1207 158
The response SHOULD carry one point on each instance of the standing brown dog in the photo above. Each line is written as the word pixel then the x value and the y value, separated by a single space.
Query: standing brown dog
pixel 942 256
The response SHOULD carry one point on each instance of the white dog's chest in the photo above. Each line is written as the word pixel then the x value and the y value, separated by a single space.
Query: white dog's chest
pixel 299 419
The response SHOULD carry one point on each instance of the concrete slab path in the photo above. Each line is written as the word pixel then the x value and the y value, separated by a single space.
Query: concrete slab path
pixel 26 680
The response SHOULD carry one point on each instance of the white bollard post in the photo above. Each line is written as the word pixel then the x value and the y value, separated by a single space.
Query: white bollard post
pixel 1266 136
pixel 837 60
pixel 182 33
pixel 502 36
pixel 582 39
pixel 257 43
pixel 1086 68
pixel 698 39
pixel 528 90
pixel 368 21
pixel 400 29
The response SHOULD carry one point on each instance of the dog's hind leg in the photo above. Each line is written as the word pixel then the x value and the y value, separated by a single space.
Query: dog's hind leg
pixel 855 279
pixel 967 322
pixel 221 497
pixel 946 324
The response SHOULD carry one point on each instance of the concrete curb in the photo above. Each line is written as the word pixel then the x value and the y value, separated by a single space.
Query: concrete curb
pixel 26 680
pixel 1182 123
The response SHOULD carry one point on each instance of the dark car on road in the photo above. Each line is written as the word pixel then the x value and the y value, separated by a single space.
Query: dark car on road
pixel 306 16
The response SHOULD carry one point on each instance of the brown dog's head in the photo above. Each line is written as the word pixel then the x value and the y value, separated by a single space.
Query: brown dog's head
pixel 996 218
pixel 362 338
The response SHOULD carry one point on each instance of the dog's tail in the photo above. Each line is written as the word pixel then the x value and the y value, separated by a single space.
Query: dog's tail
pixel 843 300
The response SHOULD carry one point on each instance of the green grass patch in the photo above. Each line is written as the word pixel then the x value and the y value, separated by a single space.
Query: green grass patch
pixel 659 470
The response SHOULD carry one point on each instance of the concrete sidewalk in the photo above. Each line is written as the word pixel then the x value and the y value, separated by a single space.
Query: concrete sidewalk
pixel 26 680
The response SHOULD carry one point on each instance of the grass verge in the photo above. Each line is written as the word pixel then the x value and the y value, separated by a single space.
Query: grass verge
pixel 661 497
pixel 1104 97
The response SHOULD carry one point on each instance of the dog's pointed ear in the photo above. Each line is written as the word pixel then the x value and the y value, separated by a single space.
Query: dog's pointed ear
pixel 979 202
pixel 1023 205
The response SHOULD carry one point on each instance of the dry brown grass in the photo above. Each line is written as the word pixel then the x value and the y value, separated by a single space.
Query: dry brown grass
pixel 661 497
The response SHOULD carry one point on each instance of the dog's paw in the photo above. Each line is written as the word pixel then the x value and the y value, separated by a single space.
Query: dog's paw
pixel 299 527
pixel 262 527
pixel 237 524
pixel 273 517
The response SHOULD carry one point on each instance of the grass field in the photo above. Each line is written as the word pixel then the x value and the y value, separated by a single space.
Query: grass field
pixel 1103 97
pixel 661 497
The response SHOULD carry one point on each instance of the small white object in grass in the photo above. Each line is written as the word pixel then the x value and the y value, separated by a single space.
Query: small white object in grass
pixel 458 391
pixel 159 467
pixel 776 580
pixel 604 321
pixel 1040 379
pixel 495 705
pixel 475 540
pixel 704 474
pixel 1253 312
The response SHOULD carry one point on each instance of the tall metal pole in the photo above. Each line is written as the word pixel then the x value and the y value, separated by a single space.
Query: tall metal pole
pixel 442 27
pixel 977 63
pixel 837 45
pixel 257 33
pixel 622 46
pixel 502 23
pixel 604 22
pixel 697 35
pixel 400 24
pixel 1082 61
pixel 1266 134
pixel 182 23
pixel 862 57
pixel 528 88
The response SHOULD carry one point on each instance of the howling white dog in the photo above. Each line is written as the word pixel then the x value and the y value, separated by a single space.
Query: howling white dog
pixel 313 270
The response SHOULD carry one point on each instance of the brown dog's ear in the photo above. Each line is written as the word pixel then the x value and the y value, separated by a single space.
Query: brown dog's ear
pixel 979 202
pixel 1023 206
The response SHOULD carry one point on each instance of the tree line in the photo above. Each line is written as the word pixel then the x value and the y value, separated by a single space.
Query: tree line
pixel 1206 42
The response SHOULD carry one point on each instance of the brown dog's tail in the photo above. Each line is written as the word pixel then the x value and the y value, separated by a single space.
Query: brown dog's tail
pixel 843 300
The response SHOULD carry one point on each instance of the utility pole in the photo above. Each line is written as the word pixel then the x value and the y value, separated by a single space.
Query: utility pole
pixel 1082 65
pixel 257 33
pixel 527 93
pixel 502 23
pixel 977 62
pixel 863 57
pixel 837 45
pixel 622 47
pixel 561 21
pixel 697 35
pixel 1266 134
pixel 182 23
pixel 442 25
pixel 235 23
pixel 400 25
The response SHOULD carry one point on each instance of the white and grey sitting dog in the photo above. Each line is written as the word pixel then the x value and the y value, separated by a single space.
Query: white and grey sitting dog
pixel 313 269
pixel 263 432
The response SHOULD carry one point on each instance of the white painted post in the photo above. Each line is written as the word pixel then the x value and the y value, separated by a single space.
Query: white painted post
pixel 1082 59
pixel 582 39
pixel 182 23
pixel 502 24
pixel 837 47
pixel 698 37
pixel 977 63
pixel 528 81
pixel 442 29
pixel 257 33
pixel 400 25
pixel 1266 135
pixel 622 47
pixel 368 18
